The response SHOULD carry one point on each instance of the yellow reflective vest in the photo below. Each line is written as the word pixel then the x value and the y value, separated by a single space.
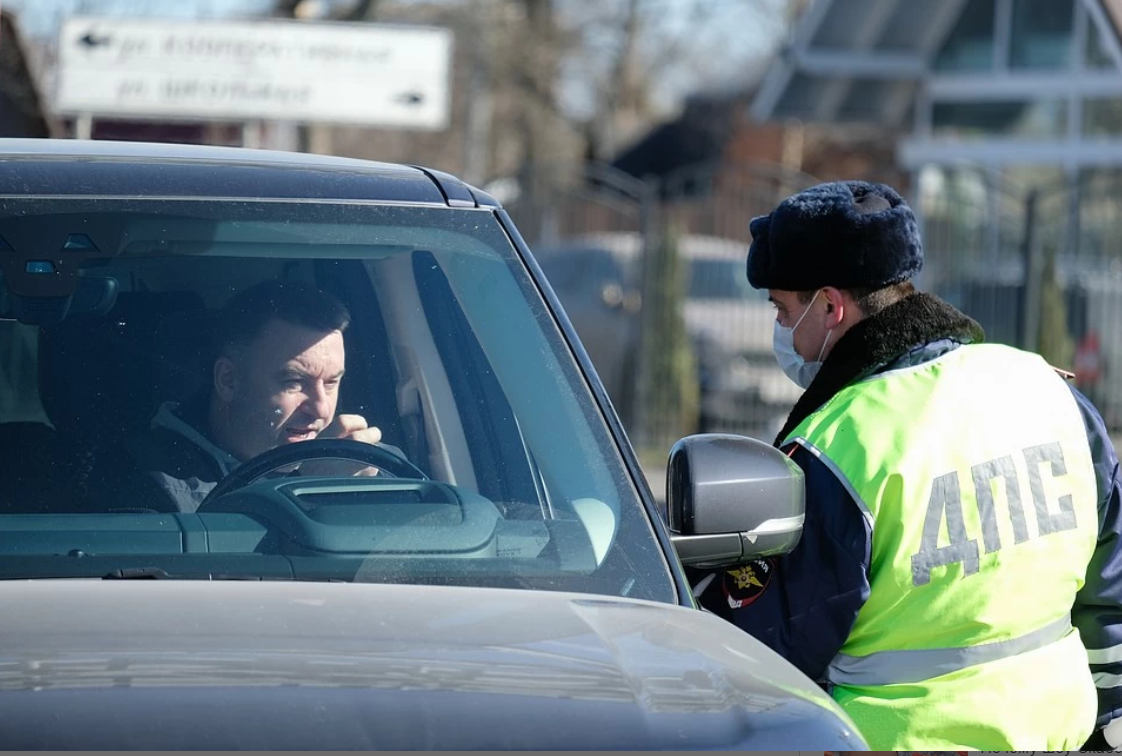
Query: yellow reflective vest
pixel 975 473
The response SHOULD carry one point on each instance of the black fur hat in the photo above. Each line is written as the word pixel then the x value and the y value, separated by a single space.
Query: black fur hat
pixel 846 234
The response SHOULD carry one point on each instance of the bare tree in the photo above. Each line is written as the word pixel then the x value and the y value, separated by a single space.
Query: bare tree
pixel 630 62
pixel 358 10
pixel 286 8
pixel 622 90
pixel 538 79
pixel 363 10
pixel 550 74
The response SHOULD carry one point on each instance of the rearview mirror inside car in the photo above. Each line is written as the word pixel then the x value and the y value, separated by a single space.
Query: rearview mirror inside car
pixel 95 295
pixel 731 498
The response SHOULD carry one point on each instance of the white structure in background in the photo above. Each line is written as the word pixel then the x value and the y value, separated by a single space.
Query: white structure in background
pixel 1008 113
pixel 1001 83
pixel 337 73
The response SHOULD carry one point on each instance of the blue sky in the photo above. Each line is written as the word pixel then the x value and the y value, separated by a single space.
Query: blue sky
pixel 40 17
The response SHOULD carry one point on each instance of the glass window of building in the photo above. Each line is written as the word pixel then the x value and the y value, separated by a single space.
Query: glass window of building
pixel 1036 119
pixel 1102 117
pixel 1041 36
pixel 1096 55
pixel 970 45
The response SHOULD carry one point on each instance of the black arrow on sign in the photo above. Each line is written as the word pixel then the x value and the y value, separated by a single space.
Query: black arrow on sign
pixel 89 39
pixel 410 98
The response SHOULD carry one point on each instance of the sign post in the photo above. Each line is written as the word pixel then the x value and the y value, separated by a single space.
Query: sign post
pixel 83 126
pixel 341 73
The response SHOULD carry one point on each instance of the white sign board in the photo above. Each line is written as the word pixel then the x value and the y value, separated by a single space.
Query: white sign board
pixel 388 76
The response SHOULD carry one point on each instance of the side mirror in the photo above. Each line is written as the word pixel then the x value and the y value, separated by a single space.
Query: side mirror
pixel 731 498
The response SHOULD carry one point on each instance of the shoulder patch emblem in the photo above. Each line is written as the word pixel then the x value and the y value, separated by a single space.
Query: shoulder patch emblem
pixel 747 582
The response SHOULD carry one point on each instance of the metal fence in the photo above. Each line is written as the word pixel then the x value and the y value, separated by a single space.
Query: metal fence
pixel 651 273
pixel 1040 269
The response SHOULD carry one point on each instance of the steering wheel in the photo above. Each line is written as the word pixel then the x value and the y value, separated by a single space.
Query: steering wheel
pixel 374 455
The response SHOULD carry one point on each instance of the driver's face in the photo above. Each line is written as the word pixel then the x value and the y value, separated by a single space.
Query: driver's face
pixel 282 388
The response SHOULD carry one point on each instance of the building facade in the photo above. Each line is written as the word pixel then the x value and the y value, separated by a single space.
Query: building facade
pixel 1010 113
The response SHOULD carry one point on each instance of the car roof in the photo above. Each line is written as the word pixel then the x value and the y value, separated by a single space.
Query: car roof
pixel 69 167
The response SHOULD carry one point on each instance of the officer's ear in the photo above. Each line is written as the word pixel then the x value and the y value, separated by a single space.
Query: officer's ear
pixel 836 306
pixel 225 379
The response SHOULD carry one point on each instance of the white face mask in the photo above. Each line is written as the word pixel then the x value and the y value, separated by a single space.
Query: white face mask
pixel 783 342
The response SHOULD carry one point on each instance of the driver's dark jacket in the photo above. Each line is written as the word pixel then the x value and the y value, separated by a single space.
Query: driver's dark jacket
pixel 179 462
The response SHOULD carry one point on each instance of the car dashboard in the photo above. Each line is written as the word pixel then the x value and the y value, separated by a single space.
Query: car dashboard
pixel 330 528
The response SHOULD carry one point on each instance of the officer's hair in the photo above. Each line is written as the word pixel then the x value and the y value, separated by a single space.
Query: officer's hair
pixel 871 301
pixel 244 317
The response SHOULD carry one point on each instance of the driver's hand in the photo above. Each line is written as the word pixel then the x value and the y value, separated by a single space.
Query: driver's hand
pixel 354 428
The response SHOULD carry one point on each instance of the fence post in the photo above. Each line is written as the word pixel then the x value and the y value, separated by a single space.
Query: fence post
pixel 1034 268
pixel 648 319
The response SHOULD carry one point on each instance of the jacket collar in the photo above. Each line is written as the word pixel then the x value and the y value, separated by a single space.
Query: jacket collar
pixel 910 324
pixel 174 417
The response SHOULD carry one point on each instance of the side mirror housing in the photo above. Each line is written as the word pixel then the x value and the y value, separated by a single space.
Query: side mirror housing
pixel 731 498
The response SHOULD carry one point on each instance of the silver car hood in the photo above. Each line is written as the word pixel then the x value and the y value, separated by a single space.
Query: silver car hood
pixel 273 665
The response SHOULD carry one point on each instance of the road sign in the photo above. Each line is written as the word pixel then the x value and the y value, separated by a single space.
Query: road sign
pixel 372 74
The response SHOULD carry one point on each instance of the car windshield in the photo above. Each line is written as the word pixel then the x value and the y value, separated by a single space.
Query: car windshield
pixel 495 465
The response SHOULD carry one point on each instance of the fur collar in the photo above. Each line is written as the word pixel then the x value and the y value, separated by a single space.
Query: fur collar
pixel 913 322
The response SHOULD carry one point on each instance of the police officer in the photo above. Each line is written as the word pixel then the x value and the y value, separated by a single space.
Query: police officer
pixel 961 561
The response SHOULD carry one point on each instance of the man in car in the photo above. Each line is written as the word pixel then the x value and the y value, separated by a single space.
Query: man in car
pixel 278 364
pixel 961 555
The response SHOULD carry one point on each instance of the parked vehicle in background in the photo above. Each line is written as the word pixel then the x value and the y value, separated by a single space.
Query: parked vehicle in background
pixel 598 278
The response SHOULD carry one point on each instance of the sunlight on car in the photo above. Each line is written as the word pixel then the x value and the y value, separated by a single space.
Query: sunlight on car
pixel 270 449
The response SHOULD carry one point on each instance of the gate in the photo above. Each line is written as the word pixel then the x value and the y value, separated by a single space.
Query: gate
pixel 1040 269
